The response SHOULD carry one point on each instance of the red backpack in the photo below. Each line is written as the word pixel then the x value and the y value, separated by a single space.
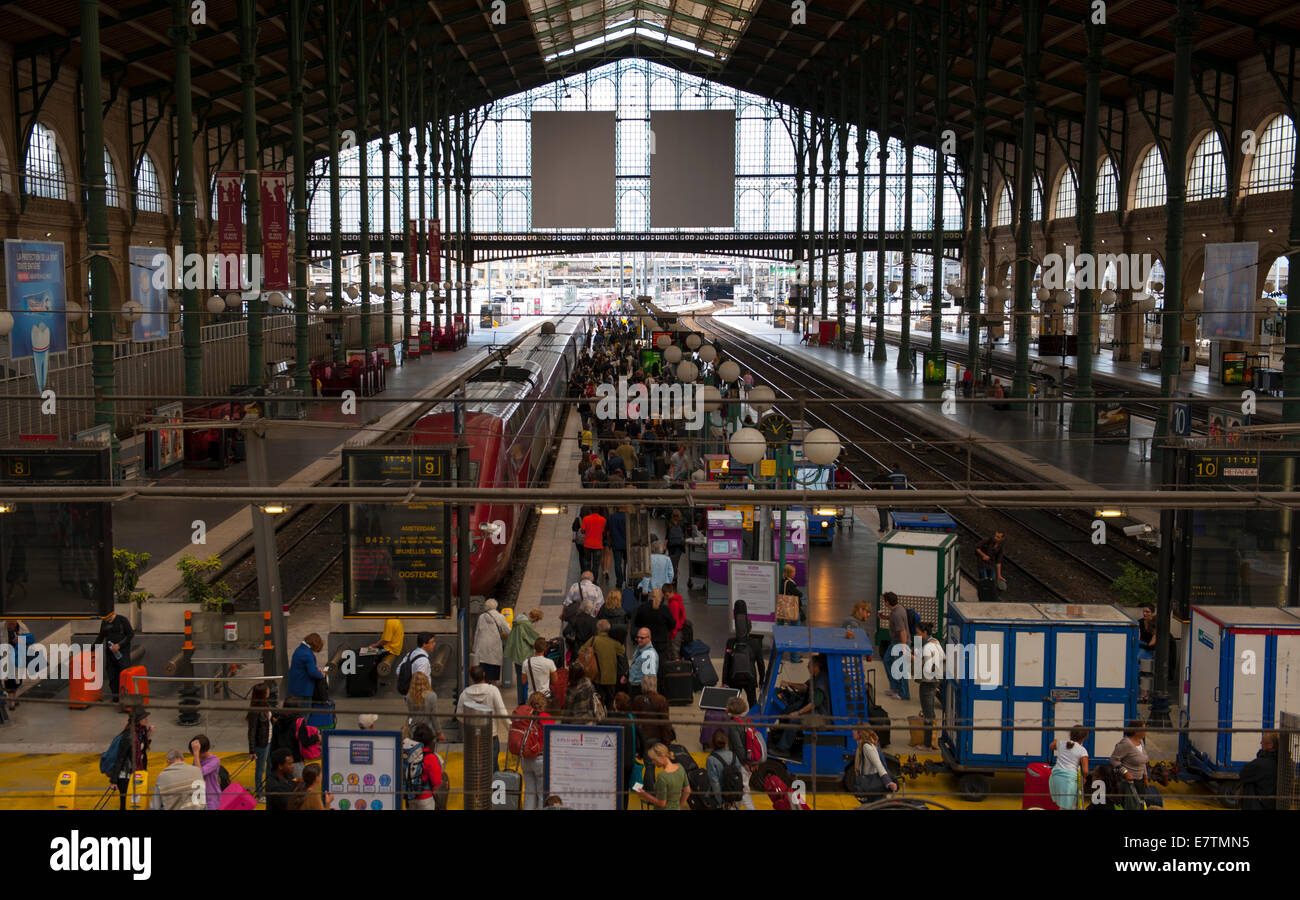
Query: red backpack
pixel 780 794
pixel 525 733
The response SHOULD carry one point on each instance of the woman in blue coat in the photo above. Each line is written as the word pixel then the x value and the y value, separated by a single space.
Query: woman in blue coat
pixel 303 671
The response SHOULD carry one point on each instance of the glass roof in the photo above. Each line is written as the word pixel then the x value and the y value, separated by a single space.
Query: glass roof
pixel 708 29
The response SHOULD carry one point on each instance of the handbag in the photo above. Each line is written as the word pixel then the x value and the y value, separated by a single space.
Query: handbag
pixel 787 607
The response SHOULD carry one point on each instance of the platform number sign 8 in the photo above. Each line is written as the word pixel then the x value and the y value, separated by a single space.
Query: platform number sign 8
pixel 799 533
pixel 19 467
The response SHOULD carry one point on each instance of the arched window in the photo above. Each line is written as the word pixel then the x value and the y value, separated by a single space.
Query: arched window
pixel 483 214
pixel 1067 196
pixel 633 147
pixel 148 193
pixel 749 211
pixel 1208 175
pixel 483 158
pixel 1036 201
pixel 112 197
pixel 1002 217
pixel 44 175
pixel 514 212
pixel 632 212
pixel 318 215
pixel 1107 187
pixel 1274 158
pixel 751 144
pixel 1151 189
pixel 780 211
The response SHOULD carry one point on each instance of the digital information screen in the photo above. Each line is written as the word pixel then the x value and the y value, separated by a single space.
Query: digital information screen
pixel 398 559
pixel 1222 466
pixel 57 558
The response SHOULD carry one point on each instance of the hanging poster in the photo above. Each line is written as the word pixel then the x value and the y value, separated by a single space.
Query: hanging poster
pixel 275 231
pixel 166 446
pixel 413 250
pixel 362 770
pixel 583 765
pixel 1230 291
pixel 145 265
pixel 37 298
pixel 230 228
pixel 435 250
pixel 755 583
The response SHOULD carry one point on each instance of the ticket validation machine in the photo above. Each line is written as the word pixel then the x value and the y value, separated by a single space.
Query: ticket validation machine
pixel 726 534
pixel 796 542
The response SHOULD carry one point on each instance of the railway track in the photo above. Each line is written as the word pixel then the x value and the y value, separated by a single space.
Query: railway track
pixel 1057 537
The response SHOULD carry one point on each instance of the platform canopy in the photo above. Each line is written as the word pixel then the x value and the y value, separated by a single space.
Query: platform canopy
pixel 482 51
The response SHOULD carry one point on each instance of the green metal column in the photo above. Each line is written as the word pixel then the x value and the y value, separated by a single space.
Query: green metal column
pixel 859 346
pixel 433 123
pixel 1184 28
pixel 878 352
pixel 302 346
pixel 1083 415
pixel 422 168
pixel 940 175
pixel 1291 355
pixel 974 280
pixel 442 145
pixel 462 224
pixel 97 245
pixel 252 185
pixel 1171 355
pixel 468 256
pixel 336 214
pixel 363 170
pixel 798 201
pixel 1025 196
pixel 386 123
pixel 842 132
pixel 909 113
pixel 404 156
pixel 812 213
pixel 828 139
pixel 192 310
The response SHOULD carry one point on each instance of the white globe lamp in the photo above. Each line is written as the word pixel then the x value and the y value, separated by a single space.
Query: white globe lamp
pixel 673 355
pixel 216 305
pixel 132 310
pixel 821 446
pixel 693 342
pixel 687 372
pixel 761 397
pixel 729 371
pixel 747 446
pixel 708 353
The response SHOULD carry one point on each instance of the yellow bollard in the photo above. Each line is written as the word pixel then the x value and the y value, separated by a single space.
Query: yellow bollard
pixel 65 791
pixel 509 613
pixel 139 790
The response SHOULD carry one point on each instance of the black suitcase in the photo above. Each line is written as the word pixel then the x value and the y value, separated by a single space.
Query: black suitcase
pixel 640 477
pixel 677 682
pixel 364 682
pixel 988 590
pixel 705 675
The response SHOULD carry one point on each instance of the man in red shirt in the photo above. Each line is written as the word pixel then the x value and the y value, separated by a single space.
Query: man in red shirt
pixel 593 540
pixel 677 607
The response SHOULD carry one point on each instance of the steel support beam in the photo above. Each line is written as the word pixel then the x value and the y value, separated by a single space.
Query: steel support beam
pixel 975 190
pixel 252 186
pixel 940 175
pixel 336 214
pixel 1083 414
pixel 859 346
pixel 191 305
pixel 363 170
pixel 909 127
pixel 878 351
pixel 97 241
pixel 1025 194
pixel 386 125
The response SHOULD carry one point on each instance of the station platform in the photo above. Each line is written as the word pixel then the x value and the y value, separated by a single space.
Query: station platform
pixel 302 452
pixel 1037 446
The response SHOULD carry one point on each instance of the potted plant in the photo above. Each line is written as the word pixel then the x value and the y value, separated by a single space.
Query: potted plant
pixel 1135 585
pixel 127 569
pixel 194 580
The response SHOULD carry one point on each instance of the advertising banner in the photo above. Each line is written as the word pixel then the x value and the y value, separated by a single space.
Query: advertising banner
pixel 230 228
pixel 152 324
pixel 435 250
pixel 413 249
pixel 37 297
pixel 1230 291
pixel 275 232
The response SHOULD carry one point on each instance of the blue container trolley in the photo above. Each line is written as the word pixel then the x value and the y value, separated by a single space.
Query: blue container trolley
pixel 939 522
pixel 1032 664
pixel 1242 670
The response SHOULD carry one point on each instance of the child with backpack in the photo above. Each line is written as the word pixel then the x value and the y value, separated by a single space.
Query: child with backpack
pixel 423 781
pixel 525 744
pixel 727 775
pixel 747 741
pixel 128 753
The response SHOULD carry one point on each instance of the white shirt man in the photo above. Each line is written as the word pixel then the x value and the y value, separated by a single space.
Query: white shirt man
pixel 585 589
pixel 179 786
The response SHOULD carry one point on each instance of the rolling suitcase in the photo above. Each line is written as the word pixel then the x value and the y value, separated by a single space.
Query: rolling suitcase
pixel 988 590
pixel 507 790
pixel 1038 792
pixel 877 718
pixel 705 675
pixel 714 720
pixel 677 682
pixel 364 682
pixel 916 730
pixel 738 662
pixel 694 649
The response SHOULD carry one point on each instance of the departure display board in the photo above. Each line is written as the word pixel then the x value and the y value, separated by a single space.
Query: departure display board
pixel 57 558
pixel 1222 466
pixel 398 559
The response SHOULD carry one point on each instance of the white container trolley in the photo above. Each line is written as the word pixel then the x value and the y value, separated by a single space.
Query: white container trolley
pixel 1034 664
pixel 1243 670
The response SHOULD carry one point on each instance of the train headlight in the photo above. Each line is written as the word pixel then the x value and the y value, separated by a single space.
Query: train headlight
pixel 825 512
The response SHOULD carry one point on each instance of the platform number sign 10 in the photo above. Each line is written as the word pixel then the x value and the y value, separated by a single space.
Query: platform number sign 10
pixel 1180 419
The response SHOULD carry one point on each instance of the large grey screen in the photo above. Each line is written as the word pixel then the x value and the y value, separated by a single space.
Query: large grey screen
pixel 573 169
pixel 693 169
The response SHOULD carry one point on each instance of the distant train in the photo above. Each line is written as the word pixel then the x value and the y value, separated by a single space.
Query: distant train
pixel 509 436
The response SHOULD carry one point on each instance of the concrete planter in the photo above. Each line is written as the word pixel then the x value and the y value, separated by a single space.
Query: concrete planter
pixel 161 616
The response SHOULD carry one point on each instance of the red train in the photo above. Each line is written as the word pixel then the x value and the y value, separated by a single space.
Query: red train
pixel 509 437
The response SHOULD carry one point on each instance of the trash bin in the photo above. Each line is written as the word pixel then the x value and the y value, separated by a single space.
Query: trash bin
pixel 80 693
pixel 134 685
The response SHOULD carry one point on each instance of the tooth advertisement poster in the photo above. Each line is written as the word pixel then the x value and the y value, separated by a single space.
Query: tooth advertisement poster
pixel 36 295
pixel 152 324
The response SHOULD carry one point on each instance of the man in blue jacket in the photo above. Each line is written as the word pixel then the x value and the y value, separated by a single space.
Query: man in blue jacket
pixel 303 671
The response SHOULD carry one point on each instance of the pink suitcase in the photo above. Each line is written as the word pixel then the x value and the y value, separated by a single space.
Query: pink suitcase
pixel 1038 793
pixel 236 797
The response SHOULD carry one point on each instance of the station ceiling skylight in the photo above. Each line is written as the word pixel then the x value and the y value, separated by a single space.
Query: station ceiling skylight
pixel 709 29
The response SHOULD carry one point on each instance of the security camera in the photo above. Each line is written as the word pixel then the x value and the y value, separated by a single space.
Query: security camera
pixel 1135 530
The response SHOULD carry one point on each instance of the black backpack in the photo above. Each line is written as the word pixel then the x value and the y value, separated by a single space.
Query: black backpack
pixel 413 781
pixel 733 779
pixel 686 632
pixel 404 671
